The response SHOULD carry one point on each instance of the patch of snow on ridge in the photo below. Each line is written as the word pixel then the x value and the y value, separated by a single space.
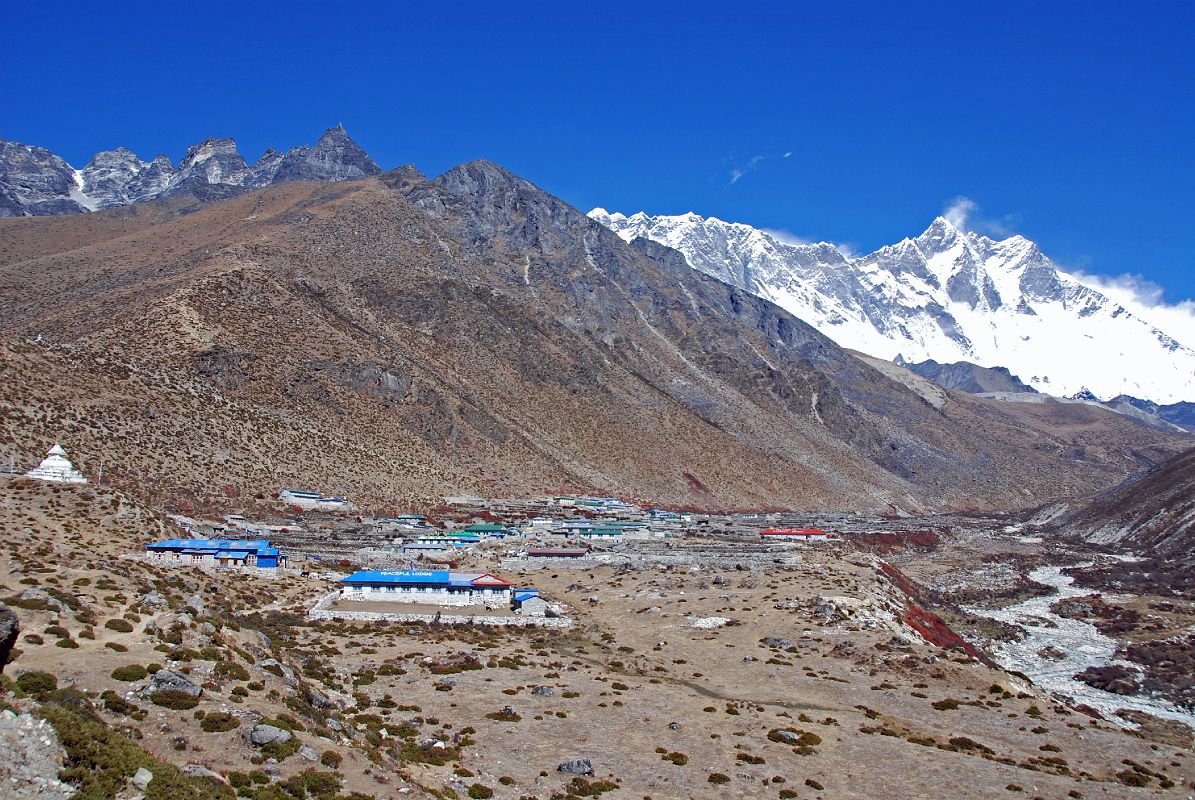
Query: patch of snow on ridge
pixel 77 193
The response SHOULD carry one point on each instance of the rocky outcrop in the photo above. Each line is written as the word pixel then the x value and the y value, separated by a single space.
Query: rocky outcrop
pixel 30 759
pixel 10 629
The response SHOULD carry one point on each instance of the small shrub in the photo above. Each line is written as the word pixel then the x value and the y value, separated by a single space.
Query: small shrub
pixel 1132 778
pixel 219 722
pixel 69 644
pixel 231 670
pixel 330 758
pixel 718 778
pixel 133 672
pixel 480 791
pixel 36 684
pixel 505 715
pixel 174 699
pixel 119 625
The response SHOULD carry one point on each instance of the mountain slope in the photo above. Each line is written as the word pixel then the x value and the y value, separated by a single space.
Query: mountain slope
pixel 946 295
pixel 35 182
pixel 398 339
pixel 1152 513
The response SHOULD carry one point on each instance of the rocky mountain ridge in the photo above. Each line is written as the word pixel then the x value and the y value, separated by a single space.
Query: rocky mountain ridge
pixel 948 295
pixel 36 182
pixel 967 377
pixel 400 339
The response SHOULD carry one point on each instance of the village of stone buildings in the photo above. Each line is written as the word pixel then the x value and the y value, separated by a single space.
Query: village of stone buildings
pixel 545 647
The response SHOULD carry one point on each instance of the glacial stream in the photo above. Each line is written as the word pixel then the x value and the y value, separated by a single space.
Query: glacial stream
pixel 1075 646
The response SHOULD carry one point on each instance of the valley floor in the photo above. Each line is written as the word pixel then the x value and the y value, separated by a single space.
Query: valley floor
pixel 695 668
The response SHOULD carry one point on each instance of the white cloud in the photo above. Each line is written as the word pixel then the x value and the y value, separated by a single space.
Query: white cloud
pixel 848 250
pixel 785 236
pixel 1146 299
pixel 737 173
pixel 964 214
pixel 959 212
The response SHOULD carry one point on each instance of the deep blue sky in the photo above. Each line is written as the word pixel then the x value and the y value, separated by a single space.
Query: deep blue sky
pixel 1072 123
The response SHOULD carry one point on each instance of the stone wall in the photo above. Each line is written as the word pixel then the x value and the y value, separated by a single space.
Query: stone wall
pixel 321 612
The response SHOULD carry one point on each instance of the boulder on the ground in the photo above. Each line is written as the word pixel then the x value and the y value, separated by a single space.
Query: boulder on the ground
pixel 261 735
pixel 154 599
pixel 276 667
pixel 141 778
pixel 200 771
pixel 576 766
pixel 167 680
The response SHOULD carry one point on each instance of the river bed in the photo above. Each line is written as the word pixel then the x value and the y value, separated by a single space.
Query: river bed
pixel 1076 646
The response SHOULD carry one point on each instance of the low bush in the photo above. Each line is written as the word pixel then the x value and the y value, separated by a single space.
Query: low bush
pixel 218 722
pixel 505 715
pixel 718 778
pixel 100 760
pixel 36 684
pixel 133 672
pixel 119 625
pixel 174 699
pixel 231 670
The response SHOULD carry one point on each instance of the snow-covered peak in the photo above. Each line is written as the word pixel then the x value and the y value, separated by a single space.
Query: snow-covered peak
pixel 947 294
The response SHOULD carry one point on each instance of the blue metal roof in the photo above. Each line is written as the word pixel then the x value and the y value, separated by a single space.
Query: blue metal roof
pixel 391 576
pixel 415 578
pixel 525 594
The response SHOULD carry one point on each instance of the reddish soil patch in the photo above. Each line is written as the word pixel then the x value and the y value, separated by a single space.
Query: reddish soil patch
pixel 884 542
pixel 924 621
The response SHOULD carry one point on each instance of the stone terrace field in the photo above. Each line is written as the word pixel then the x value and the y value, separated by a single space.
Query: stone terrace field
pixel 800 682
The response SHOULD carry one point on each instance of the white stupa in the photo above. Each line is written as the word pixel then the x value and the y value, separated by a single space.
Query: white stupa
pixel 56 467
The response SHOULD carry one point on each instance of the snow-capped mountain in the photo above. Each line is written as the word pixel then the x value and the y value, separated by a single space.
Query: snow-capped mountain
pixel 36 182
pixel 947 295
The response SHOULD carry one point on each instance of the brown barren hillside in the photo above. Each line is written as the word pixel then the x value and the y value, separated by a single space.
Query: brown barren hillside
pixel 398 339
